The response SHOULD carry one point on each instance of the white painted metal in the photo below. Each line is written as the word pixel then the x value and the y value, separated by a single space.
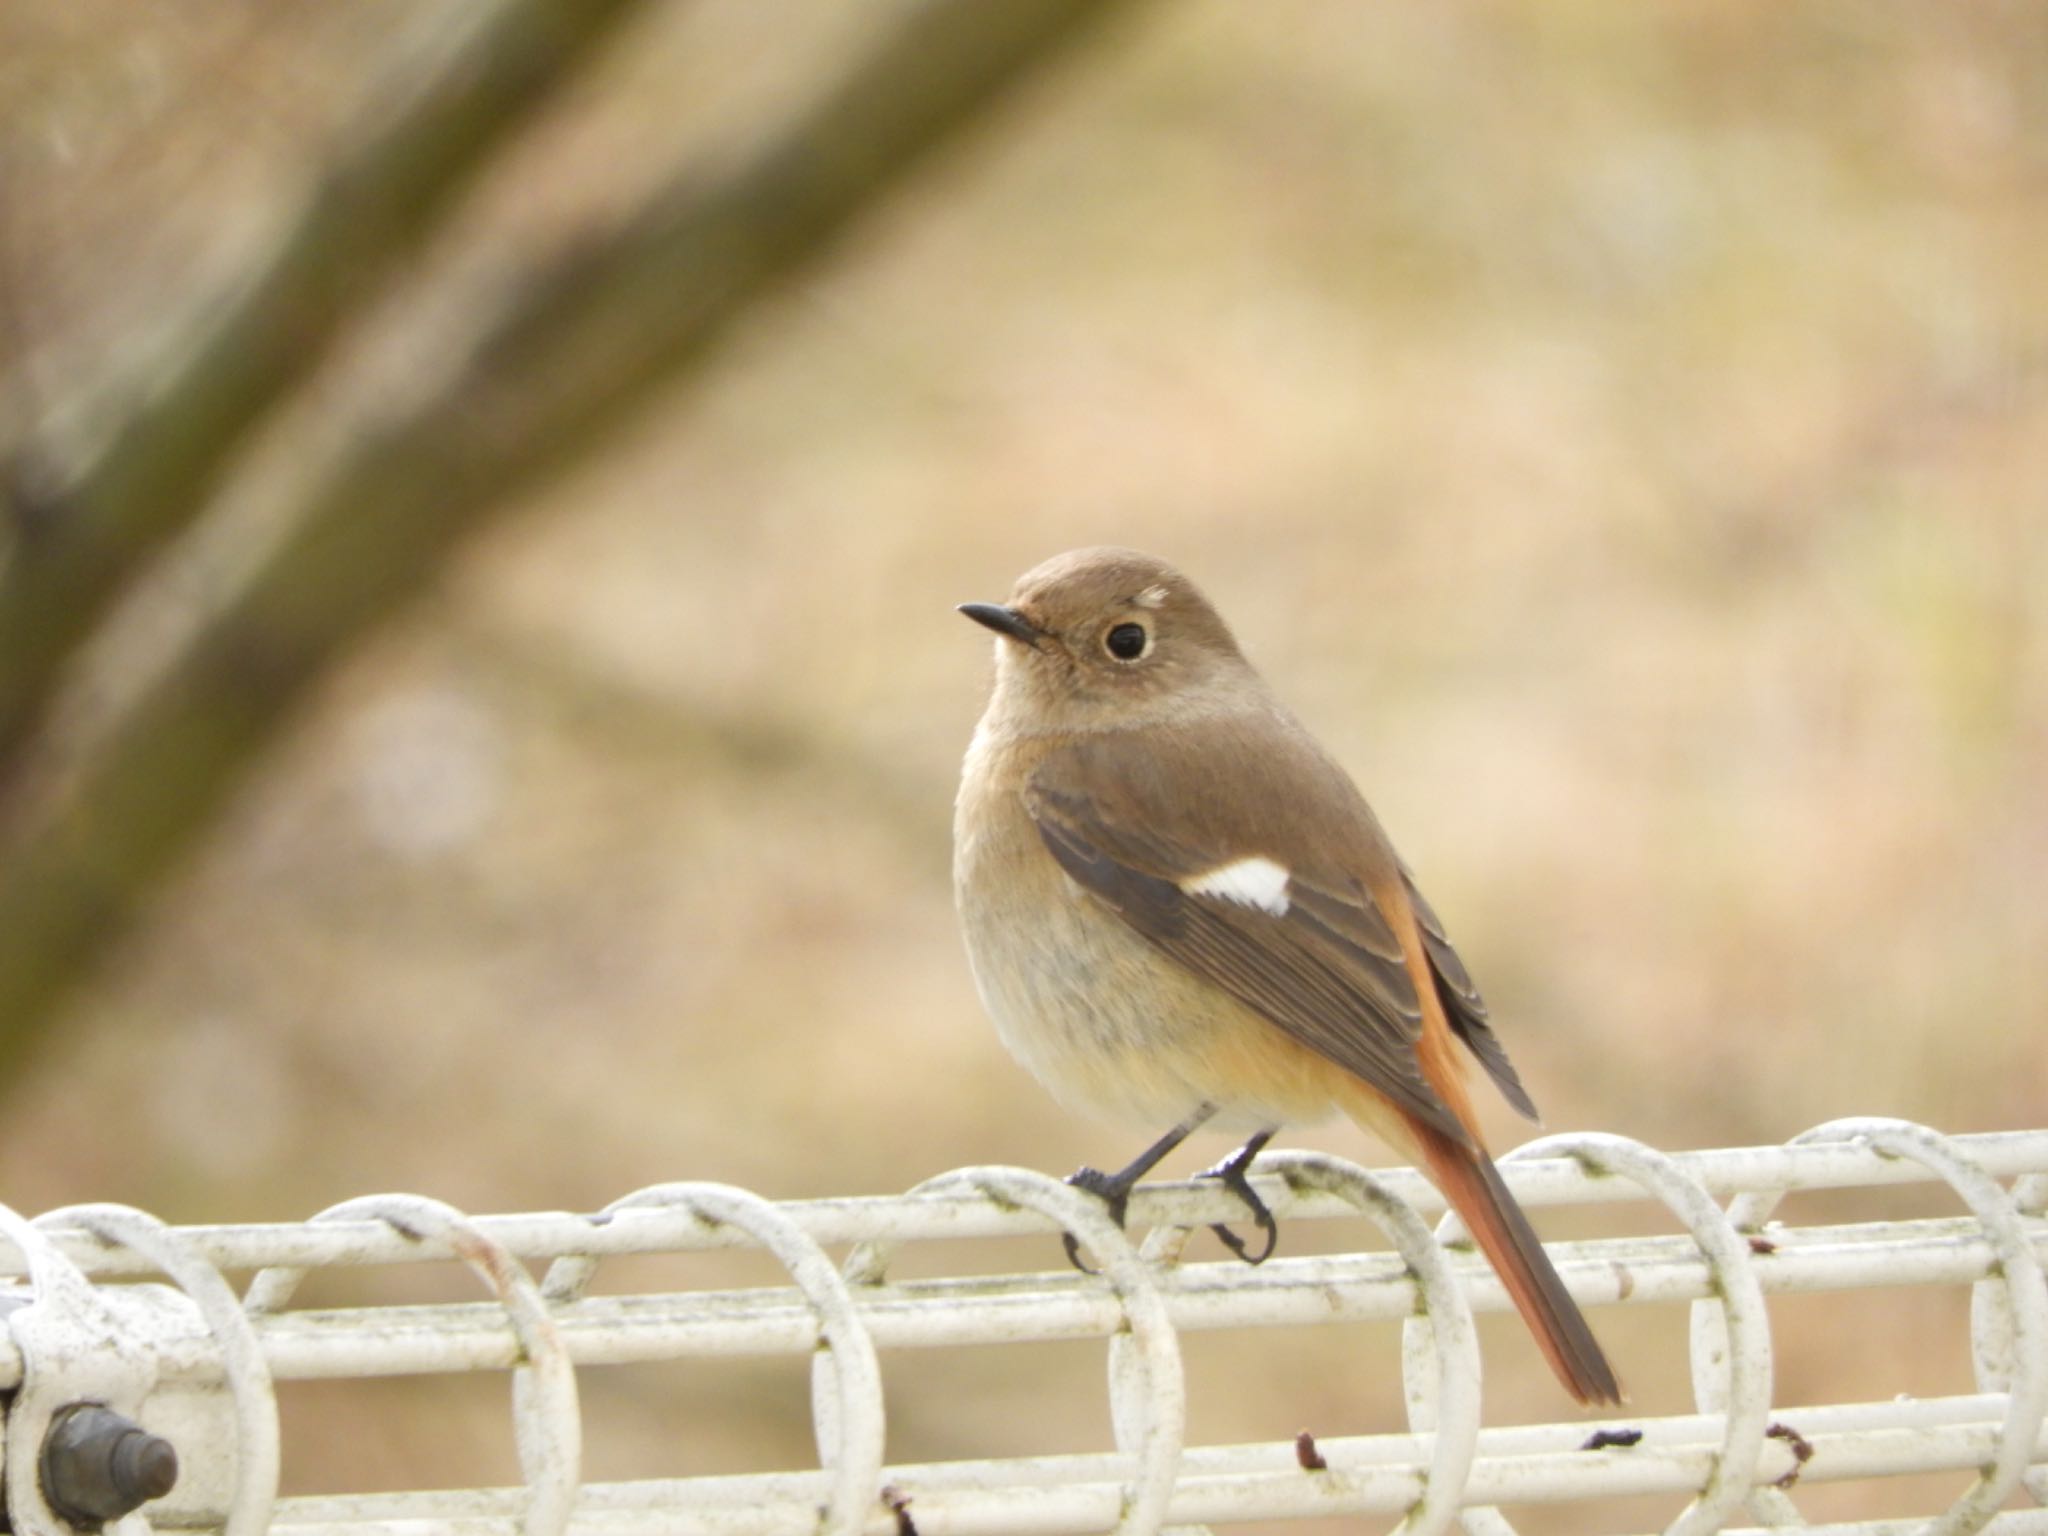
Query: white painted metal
pixel 548 1423
pixel 918 1218
pixel 248 1463
pixel 846 1377
pixel 2023 1321
pixel 131 1345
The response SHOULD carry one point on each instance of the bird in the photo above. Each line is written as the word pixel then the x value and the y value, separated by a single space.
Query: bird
pixel 1179 910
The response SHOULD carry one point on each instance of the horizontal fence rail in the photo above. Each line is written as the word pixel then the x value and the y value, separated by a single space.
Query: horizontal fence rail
pixel 85 1318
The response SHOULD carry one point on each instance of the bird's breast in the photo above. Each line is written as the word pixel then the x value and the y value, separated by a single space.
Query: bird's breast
pixel 1061 975
pixel 1108 1024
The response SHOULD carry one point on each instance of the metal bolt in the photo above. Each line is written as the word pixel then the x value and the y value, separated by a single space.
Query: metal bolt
pixel 98 1465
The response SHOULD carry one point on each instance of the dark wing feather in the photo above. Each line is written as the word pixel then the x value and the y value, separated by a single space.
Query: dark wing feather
pixel 1328 971
pixel 1463 1005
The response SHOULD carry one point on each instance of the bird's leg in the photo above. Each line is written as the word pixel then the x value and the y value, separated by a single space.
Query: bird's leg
pixel 1114 1189
pixel 1231 1172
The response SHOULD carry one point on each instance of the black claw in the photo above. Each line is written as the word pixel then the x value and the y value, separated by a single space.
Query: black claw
pixel 1231 1174
pixel 1237 1245
pixel 1115 1194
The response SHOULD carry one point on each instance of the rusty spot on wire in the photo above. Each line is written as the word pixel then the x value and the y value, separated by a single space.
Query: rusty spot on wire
pixel 1802 1452
pixel 1604 1439
pixel 897 1502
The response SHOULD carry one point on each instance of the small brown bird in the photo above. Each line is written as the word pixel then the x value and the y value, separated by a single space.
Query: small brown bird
pixel 1180 909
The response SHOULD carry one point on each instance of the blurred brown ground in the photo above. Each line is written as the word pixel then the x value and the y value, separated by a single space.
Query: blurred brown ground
pixel 1621 432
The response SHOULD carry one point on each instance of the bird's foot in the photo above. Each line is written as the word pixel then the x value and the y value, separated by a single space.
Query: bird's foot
pixel 1113 1190
pixel 1231 1174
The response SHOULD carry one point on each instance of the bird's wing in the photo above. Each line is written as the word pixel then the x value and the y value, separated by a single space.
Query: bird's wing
pixel 1249 900
pixel 1463 1005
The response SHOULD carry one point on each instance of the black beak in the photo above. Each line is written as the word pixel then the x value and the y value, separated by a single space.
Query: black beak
pixel 1004 621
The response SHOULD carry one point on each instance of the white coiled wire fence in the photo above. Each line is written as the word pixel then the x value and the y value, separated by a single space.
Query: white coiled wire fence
pixel 88 1320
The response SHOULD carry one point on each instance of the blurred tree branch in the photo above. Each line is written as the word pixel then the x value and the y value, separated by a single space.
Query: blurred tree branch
pixel 79 533
pixel 558 364
pixel 696 736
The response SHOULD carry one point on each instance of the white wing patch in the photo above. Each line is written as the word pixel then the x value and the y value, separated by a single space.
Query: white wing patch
pixel 1254 882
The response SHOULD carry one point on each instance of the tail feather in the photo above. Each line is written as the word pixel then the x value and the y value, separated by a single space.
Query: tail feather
pixel 1472 1184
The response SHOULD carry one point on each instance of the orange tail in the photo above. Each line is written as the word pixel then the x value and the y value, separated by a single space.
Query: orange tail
pixel 1473 1186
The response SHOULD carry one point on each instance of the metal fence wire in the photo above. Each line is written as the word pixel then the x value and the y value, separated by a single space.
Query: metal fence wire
pixel 113 1380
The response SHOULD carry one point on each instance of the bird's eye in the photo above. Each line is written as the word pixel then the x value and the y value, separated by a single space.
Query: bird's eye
pixel 1127 642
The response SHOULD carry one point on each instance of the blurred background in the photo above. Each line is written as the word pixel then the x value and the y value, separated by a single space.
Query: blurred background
pixel 1620 432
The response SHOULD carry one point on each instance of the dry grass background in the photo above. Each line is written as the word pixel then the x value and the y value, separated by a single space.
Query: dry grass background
pixel 1621 432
